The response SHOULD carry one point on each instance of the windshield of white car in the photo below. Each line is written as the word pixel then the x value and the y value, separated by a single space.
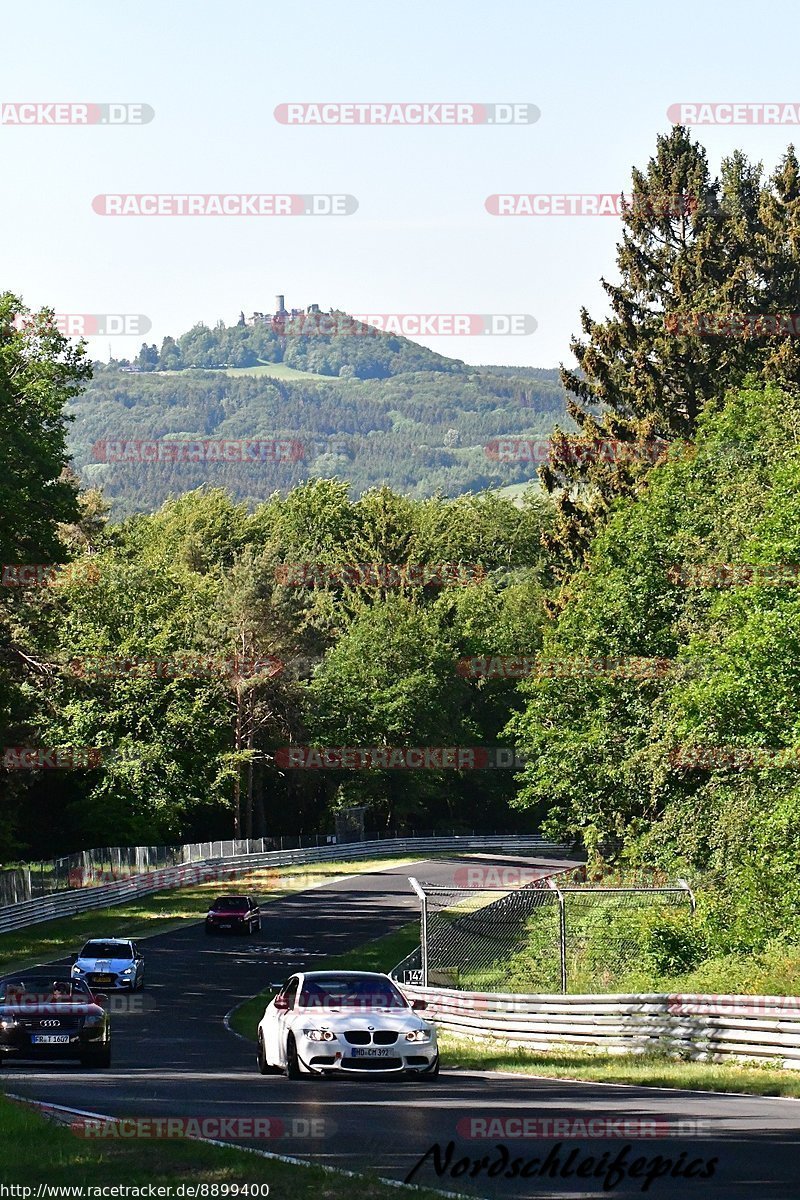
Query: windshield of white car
pixel 106 950
pixel 350 992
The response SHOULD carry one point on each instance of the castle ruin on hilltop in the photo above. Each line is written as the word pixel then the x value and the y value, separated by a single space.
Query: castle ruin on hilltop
pixel 280 315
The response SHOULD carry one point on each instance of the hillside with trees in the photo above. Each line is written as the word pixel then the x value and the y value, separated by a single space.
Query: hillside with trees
pixel 332 344
pixel 421 427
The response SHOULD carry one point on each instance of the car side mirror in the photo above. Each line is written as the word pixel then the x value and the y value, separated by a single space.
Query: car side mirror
pixel 281 1004
pixel 417 1005
pixel 100 998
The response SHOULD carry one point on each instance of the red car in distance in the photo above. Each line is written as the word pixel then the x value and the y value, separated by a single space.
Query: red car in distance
pixel 233 914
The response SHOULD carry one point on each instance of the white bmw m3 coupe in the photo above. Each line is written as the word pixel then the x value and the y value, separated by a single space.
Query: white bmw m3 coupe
pixel 345 1022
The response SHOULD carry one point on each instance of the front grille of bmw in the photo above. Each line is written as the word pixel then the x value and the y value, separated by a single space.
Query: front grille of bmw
pixel 378 1037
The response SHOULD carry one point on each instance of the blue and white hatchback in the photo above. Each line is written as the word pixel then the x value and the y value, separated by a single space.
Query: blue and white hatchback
pixel 106 963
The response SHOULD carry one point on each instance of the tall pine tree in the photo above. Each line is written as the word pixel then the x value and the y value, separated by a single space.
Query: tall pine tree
pixel 688 255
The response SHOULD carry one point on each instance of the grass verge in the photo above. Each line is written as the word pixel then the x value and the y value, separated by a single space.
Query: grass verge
pixel 163 911
pixel 640 1070
pixel 36 1150
pixel 379 955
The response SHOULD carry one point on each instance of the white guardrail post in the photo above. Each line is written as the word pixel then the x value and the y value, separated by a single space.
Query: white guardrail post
pixel 562 932
pixel 423 928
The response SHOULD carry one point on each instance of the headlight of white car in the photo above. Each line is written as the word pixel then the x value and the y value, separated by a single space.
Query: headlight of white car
pixel 419 1035
pixel 319 1035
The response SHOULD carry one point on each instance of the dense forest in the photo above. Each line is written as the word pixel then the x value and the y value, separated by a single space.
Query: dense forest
pixel 420 433
pixel 396 415
pixel 191 646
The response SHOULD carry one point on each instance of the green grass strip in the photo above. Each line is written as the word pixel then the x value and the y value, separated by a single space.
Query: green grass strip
pixel 36 1150
pixel 653 1069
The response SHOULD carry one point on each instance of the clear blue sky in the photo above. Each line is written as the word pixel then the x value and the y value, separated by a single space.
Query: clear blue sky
pixel 602 75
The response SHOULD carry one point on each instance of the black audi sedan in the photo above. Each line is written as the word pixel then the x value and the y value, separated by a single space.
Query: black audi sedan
pixel 45 1014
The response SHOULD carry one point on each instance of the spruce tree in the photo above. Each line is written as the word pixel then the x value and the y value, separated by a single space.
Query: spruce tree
pixel 685 260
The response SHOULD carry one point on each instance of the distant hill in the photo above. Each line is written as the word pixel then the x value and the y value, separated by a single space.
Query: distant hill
pixel 299 340
pixel 370 408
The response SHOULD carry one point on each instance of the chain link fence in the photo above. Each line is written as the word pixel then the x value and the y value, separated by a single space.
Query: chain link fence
pixel 550 935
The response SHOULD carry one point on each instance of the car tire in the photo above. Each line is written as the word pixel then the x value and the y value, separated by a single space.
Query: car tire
pixel 292 1061
pixel 97 1058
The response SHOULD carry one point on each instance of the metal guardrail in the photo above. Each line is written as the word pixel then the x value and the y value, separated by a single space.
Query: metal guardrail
pixel 107 864
pixel 79 900
pixel 691 1026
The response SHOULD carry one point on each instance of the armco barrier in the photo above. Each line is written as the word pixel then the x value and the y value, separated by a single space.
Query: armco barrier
pixel 690 1026
pixel 79 900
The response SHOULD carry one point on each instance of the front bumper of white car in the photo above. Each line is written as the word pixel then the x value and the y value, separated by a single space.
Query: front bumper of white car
pixel 106 979
pixel 341 1056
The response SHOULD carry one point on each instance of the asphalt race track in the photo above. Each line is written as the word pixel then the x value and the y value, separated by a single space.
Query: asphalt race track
pixel 178 1059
